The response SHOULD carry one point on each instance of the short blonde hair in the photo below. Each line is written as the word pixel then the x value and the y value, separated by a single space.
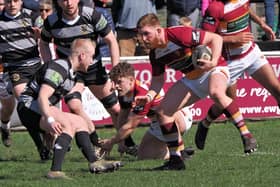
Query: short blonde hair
pixel 82 44
pixel 150 19
pixel 185 21
pixel 43 3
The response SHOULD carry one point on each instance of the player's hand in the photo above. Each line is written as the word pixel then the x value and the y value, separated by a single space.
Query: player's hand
pixel 37 32
pixel 55 128
pixel 244 37
pixel 141 100
pixel 205 65
pixel 106 145
pixel 268 31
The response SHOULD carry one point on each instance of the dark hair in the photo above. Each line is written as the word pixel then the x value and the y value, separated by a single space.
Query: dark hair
pixel 122 69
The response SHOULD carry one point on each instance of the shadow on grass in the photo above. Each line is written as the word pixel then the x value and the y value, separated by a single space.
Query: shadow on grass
pixel 22 159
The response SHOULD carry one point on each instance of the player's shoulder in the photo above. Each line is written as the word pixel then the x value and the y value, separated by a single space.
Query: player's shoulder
pixel 215 9
pixel 60 64
pixel 87 12
pixel 26 11
pixel 141 87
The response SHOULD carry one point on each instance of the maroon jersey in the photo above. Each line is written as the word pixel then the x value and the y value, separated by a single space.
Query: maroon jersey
pixel 229 19
pixel 177 53
pixel 140 89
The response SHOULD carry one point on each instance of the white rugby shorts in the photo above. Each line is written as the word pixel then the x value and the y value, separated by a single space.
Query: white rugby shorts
pixel 155 130
pixel 250 63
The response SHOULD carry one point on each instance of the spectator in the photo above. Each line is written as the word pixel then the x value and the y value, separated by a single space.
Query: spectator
pixel 2 5
pixel 31 4
pixel 270 17
pixel 204 6
pixel 180 8
pixel 46 9
pixel 126 14
pixel 186 21
pixel 88 3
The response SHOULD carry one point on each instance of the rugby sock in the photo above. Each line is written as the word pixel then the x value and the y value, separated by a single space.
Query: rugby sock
pixel 171 135
pixel 36 137
pixel 128 141
pixel 84 144
pixel 213 113
pixel 60 148
pixel 94 139
pixel 232 112
pixel 5 124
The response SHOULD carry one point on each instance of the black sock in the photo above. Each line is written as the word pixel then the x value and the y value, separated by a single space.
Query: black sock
pixel 94 139
pixel 5 122
pixel 60 148
pixel 83 142
pixel 129 141
pixel 36 137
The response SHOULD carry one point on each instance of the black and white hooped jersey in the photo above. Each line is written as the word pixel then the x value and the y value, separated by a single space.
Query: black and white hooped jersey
pixel 18 45
pixel 88 24
pixel 58 74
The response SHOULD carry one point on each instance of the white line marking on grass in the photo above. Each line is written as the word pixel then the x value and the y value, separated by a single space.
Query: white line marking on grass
pixel 255 153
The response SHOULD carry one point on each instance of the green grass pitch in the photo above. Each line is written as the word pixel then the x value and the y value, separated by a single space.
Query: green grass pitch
pixel 222 163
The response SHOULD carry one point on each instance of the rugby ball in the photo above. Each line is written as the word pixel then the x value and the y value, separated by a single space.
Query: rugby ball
pixel 201 52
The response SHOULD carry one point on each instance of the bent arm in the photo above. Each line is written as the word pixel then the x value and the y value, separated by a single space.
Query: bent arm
pixel 157 83
pixel 127 128
pixel 216 43
pixel 122 117
pixel 45 51
pixel 262 24
pixel 45 92
pixel 111 40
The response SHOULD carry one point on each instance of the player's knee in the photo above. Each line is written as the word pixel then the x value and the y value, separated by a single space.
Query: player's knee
pixel 168 128
pixel 74 95
pixel 217 95
pixel 74 101
pixel 80 125
pixel 109 101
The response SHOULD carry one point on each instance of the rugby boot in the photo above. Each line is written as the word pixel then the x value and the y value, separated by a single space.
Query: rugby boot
pixel 102 166
pixel 57 175
pixel 131 150
pixel 45 154
pixel 200 135
pixel 99 153
pixel 187 153
pixel 174 163
pixel 250 144
pixel 6 137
